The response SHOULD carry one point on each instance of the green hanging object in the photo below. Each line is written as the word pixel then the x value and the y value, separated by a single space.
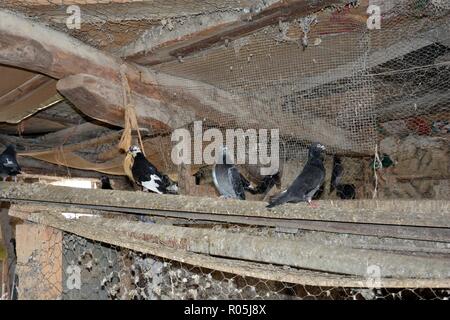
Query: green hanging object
pixel 421 4
pixel 386 162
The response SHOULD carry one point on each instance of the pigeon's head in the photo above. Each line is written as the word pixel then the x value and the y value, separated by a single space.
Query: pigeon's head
pixel 316 149
pixel 10 149
pixel 104 179
pixel 134 150
pixel 222 156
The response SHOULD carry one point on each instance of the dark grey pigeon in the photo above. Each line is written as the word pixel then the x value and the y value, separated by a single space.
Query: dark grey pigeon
pixel 336 174
pixel 307 183
pixel 106 184
pixel 9 167
pixel 227 179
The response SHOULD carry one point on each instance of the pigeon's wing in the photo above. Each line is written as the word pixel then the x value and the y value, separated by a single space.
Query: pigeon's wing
pixel 221 180
pixel 9 162
pixel 144 171
pixel 308 182
pixel 236 182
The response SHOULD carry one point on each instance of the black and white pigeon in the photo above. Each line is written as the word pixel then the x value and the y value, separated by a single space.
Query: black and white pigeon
pixel 307 183
pixel 337 173
pixel 106 184
pixel 147 176
pixel 227 179
pixel 9 167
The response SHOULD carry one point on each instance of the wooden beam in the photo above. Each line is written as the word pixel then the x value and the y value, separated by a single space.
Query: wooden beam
pixel 25 88
pixel 296 253
pixel 234 266
pixel 39 262
pixel 422 213
pixel 210 34
pixel 33 95
pixel 44 168
pixel 102 99
pixel 31 46
pixel 162 101
pixel 32 125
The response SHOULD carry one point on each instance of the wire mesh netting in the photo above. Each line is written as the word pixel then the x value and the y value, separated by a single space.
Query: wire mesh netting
pixel 378 99
pixel 359 91
pixel 325 77
pixel 71 267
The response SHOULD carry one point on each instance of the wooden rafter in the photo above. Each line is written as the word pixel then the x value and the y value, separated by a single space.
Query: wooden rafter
pixel 31 46
pixel 211 34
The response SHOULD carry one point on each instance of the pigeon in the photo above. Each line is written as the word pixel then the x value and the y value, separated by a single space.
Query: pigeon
pixel 336 174
pixel 307 183
pixel 203 175
pixel 8 163
pixel 265 185
pixel 346 191
pixel 106 184
pixel 227 179
pixel 260 184
pixel 147 176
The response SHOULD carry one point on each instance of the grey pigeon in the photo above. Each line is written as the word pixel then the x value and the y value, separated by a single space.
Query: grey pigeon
pixel 308 182
pixel 227 179
pixel 9 167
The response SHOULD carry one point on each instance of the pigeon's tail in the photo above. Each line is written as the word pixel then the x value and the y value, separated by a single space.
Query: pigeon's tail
pixel 277 200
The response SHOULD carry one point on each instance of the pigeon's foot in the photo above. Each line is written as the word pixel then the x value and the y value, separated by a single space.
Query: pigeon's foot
pixel 226 197
pixel 313 205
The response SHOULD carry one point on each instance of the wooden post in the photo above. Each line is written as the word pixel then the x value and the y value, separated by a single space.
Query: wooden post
pixel 39 262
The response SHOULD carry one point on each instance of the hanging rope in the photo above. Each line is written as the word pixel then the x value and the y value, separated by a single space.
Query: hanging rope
pixel 130 119
pixel 377 161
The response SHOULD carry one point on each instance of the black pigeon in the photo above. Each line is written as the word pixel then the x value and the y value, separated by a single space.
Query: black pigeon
pixel 203 175
pixel 8 163
pixel 346 191
pixel 307 183
pixel 336 174
pixel 227 179
pixel 106 184
pixel 265 185
pixel 147 176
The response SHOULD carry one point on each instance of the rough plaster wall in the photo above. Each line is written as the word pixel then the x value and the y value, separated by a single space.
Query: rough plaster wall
pixel 423 161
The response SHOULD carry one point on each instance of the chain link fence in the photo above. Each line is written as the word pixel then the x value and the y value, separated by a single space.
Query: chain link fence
pixel 71 267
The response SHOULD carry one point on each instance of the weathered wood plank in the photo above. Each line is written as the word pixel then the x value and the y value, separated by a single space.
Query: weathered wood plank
pixel 211 34
pixel 102 99
pixel 246 268
pixel 39 262
pixel 29 45
pixel 299 253
pixel 427 213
